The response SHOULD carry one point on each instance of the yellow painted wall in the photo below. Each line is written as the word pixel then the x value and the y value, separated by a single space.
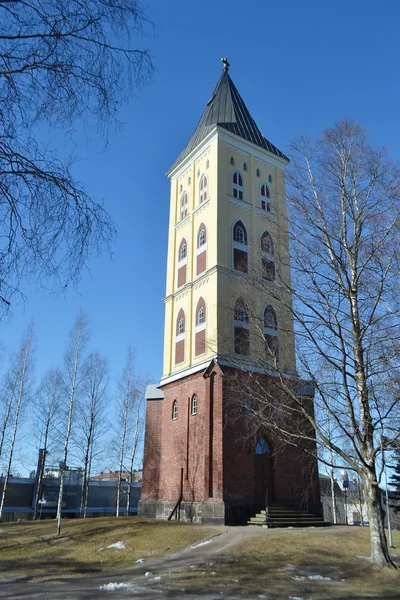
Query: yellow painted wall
pixel 220 285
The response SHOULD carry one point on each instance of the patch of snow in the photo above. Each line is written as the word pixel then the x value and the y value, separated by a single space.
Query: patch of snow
pixel 288 568
pixel 261 597
pixel 112 586
pixel 213 573
pixel 140 561
pixel 156 579
pixel 365 558
pixel 298 578
pixel 117 546
pixel 318 578
pixel 296 598
pixel 201 544
pixel 148 573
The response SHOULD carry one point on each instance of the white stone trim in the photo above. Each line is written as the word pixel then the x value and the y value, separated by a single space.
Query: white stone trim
pixel 186 372
pixel 243 204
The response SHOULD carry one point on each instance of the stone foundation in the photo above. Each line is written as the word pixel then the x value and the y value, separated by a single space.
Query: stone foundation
pixel 188 512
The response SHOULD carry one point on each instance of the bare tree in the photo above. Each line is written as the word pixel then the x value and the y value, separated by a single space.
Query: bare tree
pixel 60 61
pixel 126 394
pixel 19 389
pixel 91 421
pixel 74 361
pixel 137 431
pixel 344 226
pixel 46 406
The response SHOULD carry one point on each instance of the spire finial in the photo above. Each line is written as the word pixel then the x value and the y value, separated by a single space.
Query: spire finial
pixel 225 68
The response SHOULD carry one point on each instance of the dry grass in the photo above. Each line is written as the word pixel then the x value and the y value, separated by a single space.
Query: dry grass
pixel 32 549
pixel 306 564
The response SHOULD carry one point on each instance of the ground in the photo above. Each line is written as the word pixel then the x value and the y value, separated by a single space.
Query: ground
pixel 191 561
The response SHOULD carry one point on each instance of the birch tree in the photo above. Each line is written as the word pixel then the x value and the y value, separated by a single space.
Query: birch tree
pixel 91 419
pixel 47 410
pixel 74 361
pixel 137 431
pixel 19 387
pixel 344 227
pixel 126 395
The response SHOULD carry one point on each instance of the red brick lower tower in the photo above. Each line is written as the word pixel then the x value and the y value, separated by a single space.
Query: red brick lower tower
pixel 201 466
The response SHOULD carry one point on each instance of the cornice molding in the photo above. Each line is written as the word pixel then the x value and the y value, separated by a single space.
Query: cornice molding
pixel 240 203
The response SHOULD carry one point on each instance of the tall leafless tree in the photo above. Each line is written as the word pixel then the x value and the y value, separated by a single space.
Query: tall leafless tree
pixel 60 61
pixel 126 394
pixel 74 371
pixel 91 419
pixel 19 388
pixel 48 417
pixel 344 226
pixel 136 435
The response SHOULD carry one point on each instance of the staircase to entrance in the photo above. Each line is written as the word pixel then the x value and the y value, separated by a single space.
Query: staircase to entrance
pixel 281 516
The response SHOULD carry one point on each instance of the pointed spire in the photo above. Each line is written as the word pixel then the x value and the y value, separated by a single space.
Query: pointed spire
pixel 227 109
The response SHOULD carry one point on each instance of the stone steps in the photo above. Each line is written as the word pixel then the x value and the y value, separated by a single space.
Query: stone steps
pixel 279 516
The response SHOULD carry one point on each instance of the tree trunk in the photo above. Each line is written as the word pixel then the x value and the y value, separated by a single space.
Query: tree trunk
pixel 379 548
pixel 39 482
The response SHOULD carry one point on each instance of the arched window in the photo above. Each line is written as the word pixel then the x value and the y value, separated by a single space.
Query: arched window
pixel 184 206
pixel 201 262
pixel 267 257
pixel 182 250
pixel 193 405
pixel 200 316
pixel 241 328
pixel 203 189
pixel 237 185
pixel 182 263
pixel 244 166
pixel 262 447
pixel 200 328
pixel 240 250
pixel 181 326
pixel 180 337
pixel 265 197
pixel 232 160
pixel 271 334
pixel 258 172
pixel 174 410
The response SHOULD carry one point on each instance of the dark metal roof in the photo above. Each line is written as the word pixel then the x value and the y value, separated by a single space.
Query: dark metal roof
pixel 227 109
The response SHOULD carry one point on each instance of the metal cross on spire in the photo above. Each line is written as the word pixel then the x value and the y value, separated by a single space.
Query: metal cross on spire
pixel 226 66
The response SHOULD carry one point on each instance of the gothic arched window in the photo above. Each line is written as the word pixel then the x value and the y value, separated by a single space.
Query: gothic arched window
pixel 200 328
pixel 203 189
pixel 241 328
pixel 180 337
pixel 267 256
pixel 271 334
pixel 183 206
pixel 237 185
pixel 265 197
pixel 193 405
pixel 240 249
pixel 174 410
pixel 201 252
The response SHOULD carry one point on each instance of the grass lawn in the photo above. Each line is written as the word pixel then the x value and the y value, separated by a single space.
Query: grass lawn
pixel 32 549
pixel 297 563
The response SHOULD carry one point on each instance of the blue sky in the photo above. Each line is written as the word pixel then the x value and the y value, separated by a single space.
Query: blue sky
pixel 299 67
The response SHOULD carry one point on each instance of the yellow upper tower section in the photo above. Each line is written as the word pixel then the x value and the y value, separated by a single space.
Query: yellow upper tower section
pixel 228 271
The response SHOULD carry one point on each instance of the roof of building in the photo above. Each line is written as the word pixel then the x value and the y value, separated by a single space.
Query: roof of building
pixel 227 109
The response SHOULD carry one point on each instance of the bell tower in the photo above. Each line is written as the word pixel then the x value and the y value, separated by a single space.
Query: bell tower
pixel 227 229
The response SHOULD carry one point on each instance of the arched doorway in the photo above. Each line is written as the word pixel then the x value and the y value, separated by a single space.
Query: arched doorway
pixel 263 473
